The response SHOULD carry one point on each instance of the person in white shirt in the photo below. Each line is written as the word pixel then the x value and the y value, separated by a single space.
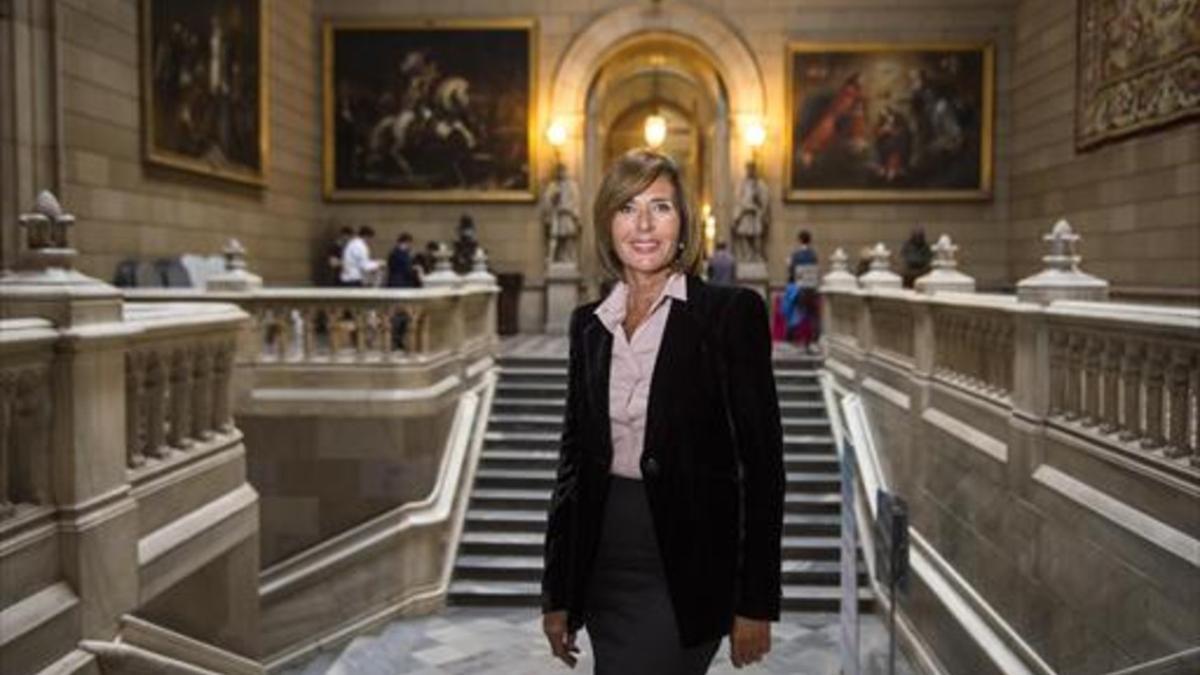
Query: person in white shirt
pixel 356 259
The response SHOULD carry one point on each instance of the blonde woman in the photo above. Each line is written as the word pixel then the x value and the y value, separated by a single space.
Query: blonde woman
pixel 666 521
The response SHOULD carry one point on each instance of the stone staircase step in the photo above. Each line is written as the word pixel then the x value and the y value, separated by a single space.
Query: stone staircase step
pixel 533 478
pixel 820 598
pixel 528 568
pixel 482 519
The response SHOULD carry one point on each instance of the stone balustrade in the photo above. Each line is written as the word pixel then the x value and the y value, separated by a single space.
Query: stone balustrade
pixel 1126 374
pixel 178 376
pixel 339 325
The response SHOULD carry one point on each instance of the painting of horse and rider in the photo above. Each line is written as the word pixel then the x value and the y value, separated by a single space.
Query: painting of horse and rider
pixel 431 111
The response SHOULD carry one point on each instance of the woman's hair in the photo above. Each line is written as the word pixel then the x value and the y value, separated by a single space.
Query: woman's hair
pixel 627 178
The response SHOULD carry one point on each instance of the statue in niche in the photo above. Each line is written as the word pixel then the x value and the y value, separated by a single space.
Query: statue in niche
pixel 559 212
pixel 751 216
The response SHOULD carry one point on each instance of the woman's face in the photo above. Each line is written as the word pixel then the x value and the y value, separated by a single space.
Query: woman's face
pixel 645 230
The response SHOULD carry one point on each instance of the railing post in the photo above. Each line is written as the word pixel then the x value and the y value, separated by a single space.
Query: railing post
pixel 135 393
pixel 1178 433
pixel 181 389
pixel 1155 376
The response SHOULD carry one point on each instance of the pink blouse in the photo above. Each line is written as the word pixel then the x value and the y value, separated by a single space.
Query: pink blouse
pixel 632 368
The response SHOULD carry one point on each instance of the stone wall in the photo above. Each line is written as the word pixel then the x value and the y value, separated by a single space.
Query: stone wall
pixel 1136 201
pixel 512 233
pixel 128 208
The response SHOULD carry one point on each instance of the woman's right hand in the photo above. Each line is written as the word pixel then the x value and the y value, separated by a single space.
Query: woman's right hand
pixel 562 642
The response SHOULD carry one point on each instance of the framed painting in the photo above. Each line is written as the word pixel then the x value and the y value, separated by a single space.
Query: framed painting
pixel 204 91
pixel 889 122
pixel 1138 68
pixel 429 111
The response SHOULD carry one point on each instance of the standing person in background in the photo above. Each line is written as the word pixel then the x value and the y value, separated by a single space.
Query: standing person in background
pixel 804 254
pixel 401 268
pixel 401 273
pixel 357 265
pixel 331 270
pixel 802 301
pixel 916 255
pixel 722 267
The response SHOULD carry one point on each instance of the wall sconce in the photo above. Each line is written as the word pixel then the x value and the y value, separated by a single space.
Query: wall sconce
pixel 755 135
pixel 556 134
pixel 655 130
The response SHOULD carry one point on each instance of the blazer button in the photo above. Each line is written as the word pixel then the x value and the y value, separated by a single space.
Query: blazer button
pixel 650 467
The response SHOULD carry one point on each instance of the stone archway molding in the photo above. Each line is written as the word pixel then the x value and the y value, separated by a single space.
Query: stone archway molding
pixel 590 49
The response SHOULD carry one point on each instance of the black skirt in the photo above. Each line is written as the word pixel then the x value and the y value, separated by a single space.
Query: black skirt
pixel 629 616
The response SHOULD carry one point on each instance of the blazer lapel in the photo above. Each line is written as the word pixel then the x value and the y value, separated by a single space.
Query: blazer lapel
pixel 680 339
pixel 598 349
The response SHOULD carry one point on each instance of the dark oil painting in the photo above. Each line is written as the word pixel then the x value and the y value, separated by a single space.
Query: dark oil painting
pixel 203 75
pixel 428 112
pixel 889 123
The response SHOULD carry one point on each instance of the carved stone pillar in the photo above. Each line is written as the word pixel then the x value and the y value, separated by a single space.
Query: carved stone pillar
pixel 222 382
pixel 1178 378
pixel 135 394
pixel 1111 390
pixel 1058 373
pixel 1073 405
pixel 201 393
pixel 1155 365
pixel 1131 392
pixel 8 395
pixel 30 475
pixel 1093 348
pixel 181 395
pixel 156 405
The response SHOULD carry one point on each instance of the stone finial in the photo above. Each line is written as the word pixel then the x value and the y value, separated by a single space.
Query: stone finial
pixel 839 276
pixel 235 277
pixel 479 269
pixel 44 283
pixel 47 234
pixel 945 275
pixel 235 255
pixel 880 274
pixel 443 273
pixel 1061 279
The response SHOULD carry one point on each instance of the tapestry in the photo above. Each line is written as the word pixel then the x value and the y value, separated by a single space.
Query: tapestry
pixel 1139 67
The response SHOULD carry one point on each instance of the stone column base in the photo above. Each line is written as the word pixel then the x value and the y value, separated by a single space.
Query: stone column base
pixel 562 296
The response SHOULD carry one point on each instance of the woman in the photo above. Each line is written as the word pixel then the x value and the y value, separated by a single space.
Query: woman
pixel 665 525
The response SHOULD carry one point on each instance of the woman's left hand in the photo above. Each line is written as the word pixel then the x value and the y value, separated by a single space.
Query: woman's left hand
pixel 749 641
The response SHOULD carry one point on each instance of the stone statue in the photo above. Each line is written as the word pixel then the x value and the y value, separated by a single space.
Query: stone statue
pixel 751 216
pixel 560 214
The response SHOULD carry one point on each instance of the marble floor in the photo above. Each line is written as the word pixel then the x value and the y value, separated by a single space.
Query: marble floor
pixel 509 641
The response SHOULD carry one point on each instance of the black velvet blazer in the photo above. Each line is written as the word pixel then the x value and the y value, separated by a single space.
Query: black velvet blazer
pixel 712 463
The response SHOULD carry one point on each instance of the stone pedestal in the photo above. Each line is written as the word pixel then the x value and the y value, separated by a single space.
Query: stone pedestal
pixel 753 274
pixel 562 296
pixel 839 277
pixel 1061 279
pixel 945 276
pixel 880 276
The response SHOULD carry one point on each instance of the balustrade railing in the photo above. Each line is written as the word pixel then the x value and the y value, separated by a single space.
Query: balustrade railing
pixel 892 326
pixel 1127 374
pixel 974 348
pixel 302 325
pixel 178 376
pixel 1127 371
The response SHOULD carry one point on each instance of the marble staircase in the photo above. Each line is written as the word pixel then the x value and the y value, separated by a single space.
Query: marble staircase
pixel 500 555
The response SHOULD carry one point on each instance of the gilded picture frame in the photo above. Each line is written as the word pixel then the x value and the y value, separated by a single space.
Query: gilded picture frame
pixel 204 73
pixel 429 111
pixel 889 122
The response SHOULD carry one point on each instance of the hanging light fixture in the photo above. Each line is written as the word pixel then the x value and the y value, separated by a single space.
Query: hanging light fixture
pixel 655 127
